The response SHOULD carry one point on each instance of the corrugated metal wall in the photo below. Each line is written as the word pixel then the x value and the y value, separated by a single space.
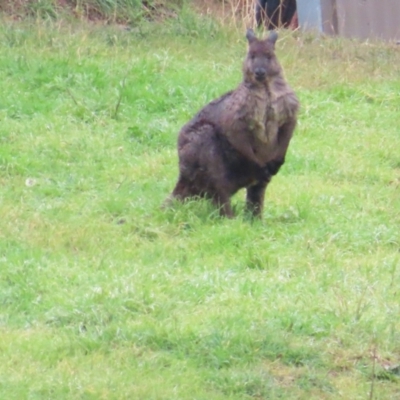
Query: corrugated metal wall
pixel 368 18
pixel 361 19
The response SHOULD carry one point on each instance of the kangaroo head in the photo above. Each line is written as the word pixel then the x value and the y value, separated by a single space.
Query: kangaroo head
pixel 261 64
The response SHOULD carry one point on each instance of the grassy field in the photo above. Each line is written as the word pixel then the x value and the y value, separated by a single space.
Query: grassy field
pixel 106 296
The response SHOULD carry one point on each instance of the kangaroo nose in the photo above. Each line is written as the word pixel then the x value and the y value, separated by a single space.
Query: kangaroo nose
pixel 260 73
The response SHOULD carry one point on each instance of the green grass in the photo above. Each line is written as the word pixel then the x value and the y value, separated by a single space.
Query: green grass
pixel 104 295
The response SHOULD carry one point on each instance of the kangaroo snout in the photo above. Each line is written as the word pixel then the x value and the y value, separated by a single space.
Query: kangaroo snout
pixel 260 73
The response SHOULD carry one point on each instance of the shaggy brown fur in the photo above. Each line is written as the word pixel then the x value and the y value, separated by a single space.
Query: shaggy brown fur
pixel 239 140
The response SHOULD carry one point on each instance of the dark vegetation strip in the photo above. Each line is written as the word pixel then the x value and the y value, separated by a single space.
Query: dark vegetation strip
pixel 121 11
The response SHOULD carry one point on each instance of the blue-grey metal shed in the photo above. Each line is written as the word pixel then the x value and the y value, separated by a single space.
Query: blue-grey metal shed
pixel 361 19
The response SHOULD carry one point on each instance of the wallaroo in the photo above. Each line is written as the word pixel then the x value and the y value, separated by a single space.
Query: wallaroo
pixel 240 139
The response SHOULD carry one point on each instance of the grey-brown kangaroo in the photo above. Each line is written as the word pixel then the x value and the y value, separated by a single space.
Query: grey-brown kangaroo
pixel 239 140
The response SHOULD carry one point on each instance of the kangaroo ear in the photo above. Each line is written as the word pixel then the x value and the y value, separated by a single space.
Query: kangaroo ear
pixel 273 37
pixel 250 35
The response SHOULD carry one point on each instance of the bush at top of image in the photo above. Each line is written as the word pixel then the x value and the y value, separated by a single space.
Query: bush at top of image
pixel 122 11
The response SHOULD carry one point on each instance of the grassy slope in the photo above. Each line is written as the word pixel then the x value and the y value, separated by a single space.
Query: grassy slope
pixel 104 295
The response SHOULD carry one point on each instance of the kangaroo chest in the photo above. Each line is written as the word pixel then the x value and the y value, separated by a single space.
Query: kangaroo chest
pixel 263 116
